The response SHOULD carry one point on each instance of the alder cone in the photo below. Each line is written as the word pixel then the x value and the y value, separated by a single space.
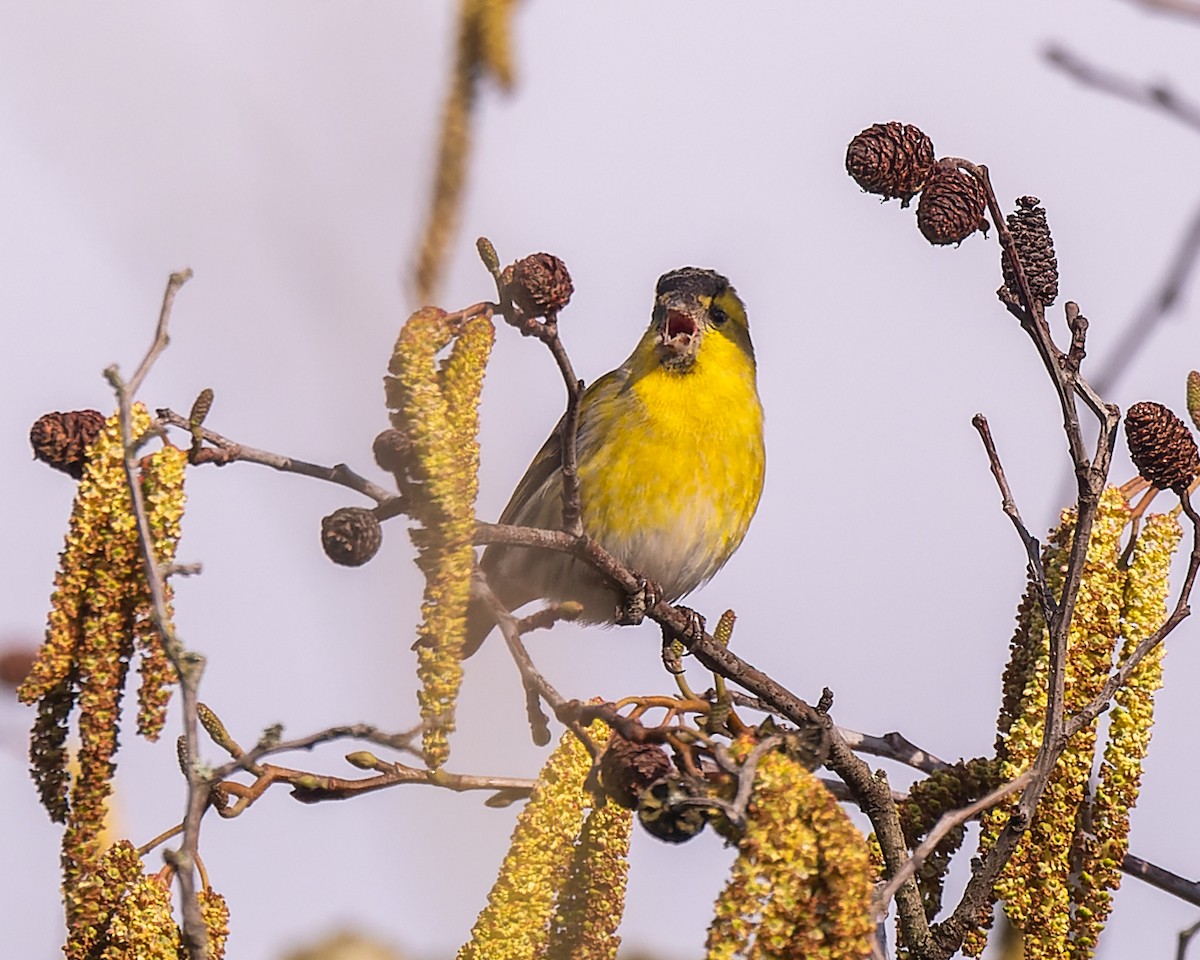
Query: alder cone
pixel 627 768
pixel 1161 445
pixel 1035 247
pixel 539 284
pixel 890 159
pixel 951 205
pixel 351 536
pixel 61 439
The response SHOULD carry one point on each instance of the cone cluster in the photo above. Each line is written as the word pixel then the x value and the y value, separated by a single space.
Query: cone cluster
pixel 897 160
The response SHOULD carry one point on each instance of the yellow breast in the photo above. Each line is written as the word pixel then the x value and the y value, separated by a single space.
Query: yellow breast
pixel 673 485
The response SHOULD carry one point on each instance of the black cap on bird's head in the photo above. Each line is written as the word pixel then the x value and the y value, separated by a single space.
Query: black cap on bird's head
pixel 687 303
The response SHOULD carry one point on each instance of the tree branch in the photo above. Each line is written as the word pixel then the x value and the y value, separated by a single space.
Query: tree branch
pixel 188 665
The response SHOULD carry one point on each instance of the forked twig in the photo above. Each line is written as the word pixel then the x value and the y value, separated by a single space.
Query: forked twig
pixel 189 666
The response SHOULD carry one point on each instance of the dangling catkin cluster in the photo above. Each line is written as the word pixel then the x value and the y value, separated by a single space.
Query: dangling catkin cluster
pixel 1129 729
pixel 928 799
pixel 1053 886
pixel 100 613
pixel 801 883
pixel 483 48
pixel 437 406
pixel 561 888
pixel 117 912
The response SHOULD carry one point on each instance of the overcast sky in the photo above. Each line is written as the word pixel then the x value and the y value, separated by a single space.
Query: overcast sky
pixel 284 152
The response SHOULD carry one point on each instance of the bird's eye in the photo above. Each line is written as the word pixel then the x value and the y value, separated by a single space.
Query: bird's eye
pixel 718 316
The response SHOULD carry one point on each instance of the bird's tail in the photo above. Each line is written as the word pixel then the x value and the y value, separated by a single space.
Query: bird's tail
pixel 479 624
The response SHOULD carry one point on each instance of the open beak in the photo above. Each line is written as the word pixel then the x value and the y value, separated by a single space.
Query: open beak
pixel 678 330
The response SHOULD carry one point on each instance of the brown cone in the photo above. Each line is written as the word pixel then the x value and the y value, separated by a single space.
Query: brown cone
pixel 539 284
pixel 1161 446
pixel 61 439
pixel 1031 235
pixel 891 159
pixel 351 536
pixel 393 451
pixel 628 768
pixel 951 206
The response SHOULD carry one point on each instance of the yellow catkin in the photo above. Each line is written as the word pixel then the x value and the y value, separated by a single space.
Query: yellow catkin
pixel 1130 722
pixel 162 485
pixel 441 415
pixel 215 912
pixel 590 905
pixel 801 883
pixel 482 47
pixel 1035 884
pixel 517 921
pixel 99 599
pixel 142 926
pixel 91 902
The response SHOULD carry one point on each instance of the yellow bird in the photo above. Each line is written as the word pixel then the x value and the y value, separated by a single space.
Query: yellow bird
pixel 671 462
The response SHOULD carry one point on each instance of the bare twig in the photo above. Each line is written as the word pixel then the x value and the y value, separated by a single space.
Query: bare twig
pixel 1161 302
pixel 1156 96
pixel 1091 475
pixel 1033 549
pixel 946 823
pixel 893 746
pixel 226 451
pixel 1185 939
pixel 248 760
pixel 188 665
pixel 1187 9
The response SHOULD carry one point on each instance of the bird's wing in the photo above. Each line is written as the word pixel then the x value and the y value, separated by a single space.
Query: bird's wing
pixel 542 475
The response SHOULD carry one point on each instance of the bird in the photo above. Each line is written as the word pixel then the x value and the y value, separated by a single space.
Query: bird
pixel 671 463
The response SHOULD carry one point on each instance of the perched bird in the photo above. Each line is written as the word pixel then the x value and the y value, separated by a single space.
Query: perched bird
pixel 670 462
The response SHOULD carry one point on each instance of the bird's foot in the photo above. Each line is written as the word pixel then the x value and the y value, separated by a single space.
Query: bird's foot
pixel 672 653
pixel 632 609
pixel 693 633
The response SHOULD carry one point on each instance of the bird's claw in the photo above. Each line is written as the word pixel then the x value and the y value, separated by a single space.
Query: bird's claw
pixel 632 610
pixel 672 654
pixel 693 633
pixel 677 643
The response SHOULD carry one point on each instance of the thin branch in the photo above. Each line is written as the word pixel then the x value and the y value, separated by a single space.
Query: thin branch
pixel 1185 939
pixel 1156 96
pixel 248 760
pixel 226 451
pixel 1033 548
pixel 946 823
pixel 1187 9
pixel 1158 306
pixel 188 665
pixel 1162 879
pixel 1091 475
pixel 893 746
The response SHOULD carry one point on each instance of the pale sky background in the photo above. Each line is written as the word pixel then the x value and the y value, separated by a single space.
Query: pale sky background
pixel 284 152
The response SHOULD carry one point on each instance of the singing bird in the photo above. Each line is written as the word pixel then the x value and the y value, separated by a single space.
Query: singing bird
pixel 670 462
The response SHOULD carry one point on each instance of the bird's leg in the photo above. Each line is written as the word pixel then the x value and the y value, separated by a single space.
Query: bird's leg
pixel 677 643
pixel 632 609
pixel 693 633
pixel 672 653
